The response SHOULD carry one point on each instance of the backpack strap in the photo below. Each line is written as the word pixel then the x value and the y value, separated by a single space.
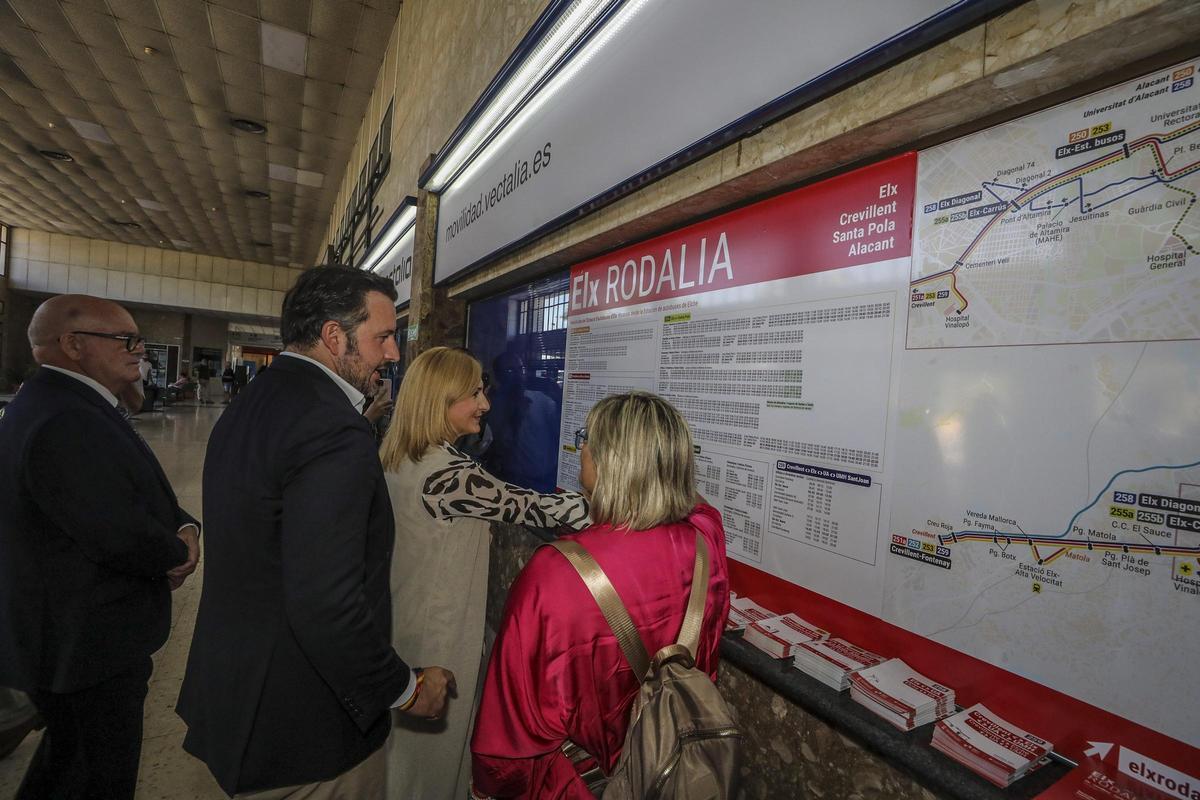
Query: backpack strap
pixel 610 605
pixel 689 632
pixel 618 617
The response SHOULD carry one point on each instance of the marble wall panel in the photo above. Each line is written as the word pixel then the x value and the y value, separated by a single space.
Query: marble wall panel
pixel 126 272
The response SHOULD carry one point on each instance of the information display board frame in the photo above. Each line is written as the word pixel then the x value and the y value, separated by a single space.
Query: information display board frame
pixel 690 314
pixel 568 154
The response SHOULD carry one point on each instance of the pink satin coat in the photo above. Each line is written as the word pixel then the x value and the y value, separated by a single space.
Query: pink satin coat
pixel 557 672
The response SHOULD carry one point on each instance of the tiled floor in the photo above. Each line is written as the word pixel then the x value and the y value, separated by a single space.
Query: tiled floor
pixel 179 437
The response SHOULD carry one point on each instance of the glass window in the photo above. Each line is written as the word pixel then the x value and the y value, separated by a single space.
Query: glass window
pixel 520 337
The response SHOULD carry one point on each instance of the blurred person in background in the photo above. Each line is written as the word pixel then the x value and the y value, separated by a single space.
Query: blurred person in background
pixel 227 382
pixel 378 410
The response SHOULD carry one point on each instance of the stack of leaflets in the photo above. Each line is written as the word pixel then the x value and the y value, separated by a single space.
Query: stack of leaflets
pixel 832 661
pixel 743 611
pixel 779 636
pixel 900 695
pixel 985 744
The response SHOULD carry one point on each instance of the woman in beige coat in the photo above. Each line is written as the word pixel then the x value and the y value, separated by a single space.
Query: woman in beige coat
pixel 444 504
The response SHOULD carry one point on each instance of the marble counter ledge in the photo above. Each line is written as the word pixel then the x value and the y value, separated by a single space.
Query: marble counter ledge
pixel 909 752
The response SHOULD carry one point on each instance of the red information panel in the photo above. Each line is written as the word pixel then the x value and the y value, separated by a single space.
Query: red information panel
pixel 779 330
pixel 858 218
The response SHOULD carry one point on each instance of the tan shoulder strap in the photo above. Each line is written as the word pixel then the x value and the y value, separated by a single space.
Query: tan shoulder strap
pixel 610 605
pixel 693 619
pixel 618 617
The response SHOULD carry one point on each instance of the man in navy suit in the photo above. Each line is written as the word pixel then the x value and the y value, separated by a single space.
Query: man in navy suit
pixel 291 676
pixel 92 540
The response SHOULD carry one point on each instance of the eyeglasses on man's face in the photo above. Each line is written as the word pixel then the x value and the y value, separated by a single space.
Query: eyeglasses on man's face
pixel 132 340
pixel 581 438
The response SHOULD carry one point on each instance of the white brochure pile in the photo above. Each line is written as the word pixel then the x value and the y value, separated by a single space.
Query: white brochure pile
pixel 832 661
pixel 986 744
pixel 743 611
pixel 901 695
pixel 779 636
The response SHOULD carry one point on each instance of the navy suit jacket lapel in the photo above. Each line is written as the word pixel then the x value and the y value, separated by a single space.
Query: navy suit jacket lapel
pixel 89 395
pixel 329 391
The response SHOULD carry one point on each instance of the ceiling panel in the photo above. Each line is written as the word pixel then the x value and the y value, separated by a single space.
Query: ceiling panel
pixel 234 33
pixel 244 104
pixel 329 61
pixel 92 88
pixel 185 19
pixel 119 70
pixel 336 22
pixel 241 72
pixel 291 139
pixel 45 18
pixel 284 87
pixel 141 12
pixel 164 80
pixel 95 29
pixel 293 14
pixel 167 113
pixel 142 33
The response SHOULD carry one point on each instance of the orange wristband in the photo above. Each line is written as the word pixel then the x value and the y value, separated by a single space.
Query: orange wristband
pixel 419 677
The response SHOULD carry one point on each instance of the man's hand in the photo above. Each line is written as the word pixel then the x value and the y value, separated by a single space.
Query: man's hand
pixel 437 686
pixel 190 537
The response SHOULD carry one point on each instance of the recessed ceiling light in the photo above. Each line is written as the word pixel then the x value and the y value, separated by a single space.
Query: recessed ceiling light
pixel 248 125
pixel 150 51
pixel 257 195
pixel 90 130
pixel 50 125
pixel 56 155
pixel 283 48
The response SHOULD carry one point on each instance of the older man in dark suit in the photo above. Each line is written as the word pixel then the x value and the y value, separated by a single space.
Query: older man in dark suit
pixel 92 540
pixel 291 673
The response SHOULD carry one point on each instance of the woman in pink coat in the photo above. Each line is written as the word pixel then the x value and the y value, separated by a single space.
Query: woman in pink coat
pixel 557 672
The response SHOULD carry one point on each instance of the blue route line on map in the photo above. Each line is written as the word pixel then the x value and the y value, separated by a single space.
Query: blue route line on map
pixel 1067 530
pixel 987 187
pixel 1108 485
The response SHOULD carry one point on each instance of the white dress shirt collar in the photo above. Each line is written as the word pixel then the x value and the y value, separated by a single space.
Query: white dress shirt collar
pixel 356 398
pixel 108 396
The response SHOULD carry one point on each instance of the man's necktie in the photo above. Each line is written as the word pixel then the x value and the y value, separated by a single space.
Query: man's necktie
pixel 125 415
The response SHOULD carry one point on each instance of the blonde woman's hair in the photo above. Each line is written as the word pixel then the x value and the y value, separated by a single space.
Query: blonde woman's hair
pixel 645 471
pixel 436 380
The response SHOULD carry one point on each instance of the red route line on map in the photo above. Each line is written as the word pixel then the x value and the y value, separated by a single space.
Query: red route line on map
pixel 1077 544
